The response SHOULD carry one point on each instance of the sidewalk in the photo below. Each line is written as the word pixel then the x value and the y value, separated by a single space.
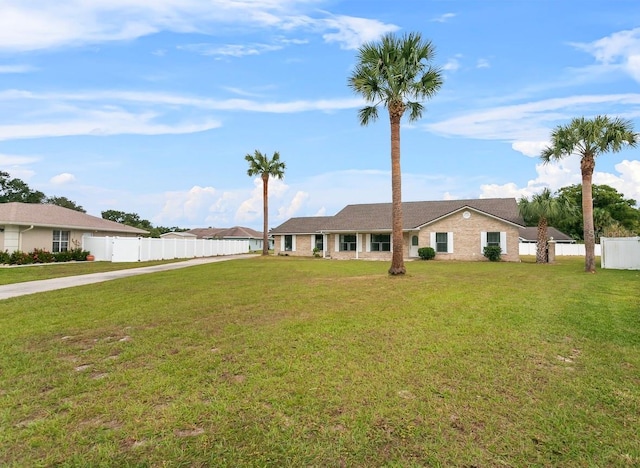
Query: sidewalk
pixel 32 287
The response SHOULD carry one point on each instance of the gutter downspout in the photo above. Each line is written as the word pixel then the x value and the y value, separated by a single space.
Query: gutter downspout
pixel 20 236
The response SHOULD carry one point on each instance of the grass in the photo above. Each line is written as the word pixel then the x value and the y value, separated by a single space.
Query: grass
pixel 298 362
pixel 41 271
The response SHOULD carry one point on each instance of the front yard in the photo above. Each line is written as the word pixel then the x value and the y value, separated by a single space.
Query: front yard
pixel 307 362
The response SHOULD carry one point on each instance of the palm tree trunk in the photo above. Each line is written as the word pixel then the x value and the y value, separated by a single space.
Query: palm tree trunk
pixel 541 248
pixel 587 165
pixel 397 259
pixel 265 214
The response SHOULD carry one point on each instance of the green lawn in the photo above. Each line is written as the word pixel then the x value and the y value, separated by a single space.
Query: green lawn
pixel 41 271
pixel 298 362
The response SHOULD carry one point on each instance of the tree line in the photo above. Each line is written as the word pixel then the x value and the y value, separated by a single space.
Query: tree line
pixel 17 190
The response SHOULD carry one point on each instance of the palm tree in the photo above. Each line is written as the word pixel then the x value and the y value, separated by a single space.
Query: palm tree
pixel 260 164
pixel 542 209
pixel 588 139
pixel 396 73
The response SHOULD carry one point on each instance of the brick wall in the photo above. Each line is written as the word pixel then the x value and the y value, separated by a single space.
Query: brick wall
pixel 466 240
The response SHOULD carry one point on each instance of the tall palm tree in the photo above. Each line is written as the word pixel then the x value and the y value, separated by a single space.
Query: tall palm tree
pixel 542 209
pixel 589 138
pixel 260 164
pixel 396 73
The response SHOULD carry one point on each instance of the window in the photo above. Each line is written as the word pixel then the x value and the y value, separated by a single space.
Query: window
pixel 288 242
pixel 347 242
pixel 414 241
pixel 60 241
pixel 493 238
pixel 319 244
pixel 381 242
pixel 441 242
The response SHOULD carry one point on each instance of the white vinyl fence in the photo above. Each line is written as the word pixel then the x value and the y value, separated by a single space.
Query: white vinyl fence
pixel 139 249
pixel 620 253
pixel 527 248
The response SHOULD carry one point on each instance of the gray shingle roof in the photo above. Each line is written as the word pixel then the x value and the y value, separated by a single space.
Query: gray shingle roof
pixel 307 225
pixel 530 234
pixel 26 214
pixel 227 233
pixel 377 216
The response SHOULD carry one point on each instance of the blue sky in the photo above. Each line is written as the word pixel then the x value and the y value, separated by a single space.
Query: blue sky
pixel 150 107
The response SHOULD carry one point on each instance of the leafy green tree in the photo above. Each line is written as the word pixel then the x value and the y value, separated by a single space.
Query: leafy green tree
pixel 589 138
pixel 397 74
pixel 65 203
pixel 130 219
pixel 542 209
pixel 17 190
pixel 260 164
pixel 622 216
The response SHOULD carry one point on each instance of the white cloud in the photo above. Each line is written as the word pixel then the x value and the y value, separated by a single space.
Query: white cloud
pixel 251 208
pixel 123 112
pixel 453 64
pixel 444 18
pixel 618 51
pixel 528 126
pixel 530 148
pixel 17 166
pixel 627 183
pixel 567 172
pixel 483 63
pixel 62 179
pixel 286 212
pixel 41 24
pixel 16 69
pixel 353 32
pixel 188 206
pixel 231 50
pixel 105 123
pixel 15 160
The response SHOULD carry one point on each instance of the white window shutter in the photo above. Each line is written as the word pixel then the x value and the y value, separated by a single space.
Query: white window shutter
pixel 282 243
pixel 337 242
pixel 359 242
pixel 368 243
pixel 449 242
pixel 483 241
pixel 293 243
pixel 314 237
pixel 432 240
pixel 503 242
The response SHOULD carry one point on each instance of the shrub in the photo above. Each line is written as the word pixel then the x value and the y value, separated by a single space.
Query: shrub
pixel 41 256
pixel 493 252
pixel 20 258
pixel 426 253
pixel 4 258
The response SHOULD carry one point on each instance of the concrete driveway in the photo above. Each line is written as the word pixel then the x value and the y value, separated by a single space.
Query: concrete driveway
pixel 32 287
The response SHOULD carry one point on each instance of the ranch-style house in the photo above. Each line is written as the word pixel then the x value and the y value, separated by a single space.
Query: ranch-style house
pixel 456 229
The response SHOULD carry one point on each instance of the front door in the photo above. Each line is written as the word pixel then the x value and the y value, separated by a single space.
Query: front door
pixel 413 249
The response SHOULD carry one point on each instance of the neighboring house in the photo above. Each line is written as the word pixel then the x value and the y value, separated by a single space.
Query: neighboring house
pixel 456 229
pixel 529 235
pixel 178 235
pixel 28 226
pixel 236 233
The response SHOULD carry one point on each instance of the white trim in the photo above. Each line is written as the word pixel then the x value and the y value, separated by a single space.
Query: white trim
pixel 503 242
